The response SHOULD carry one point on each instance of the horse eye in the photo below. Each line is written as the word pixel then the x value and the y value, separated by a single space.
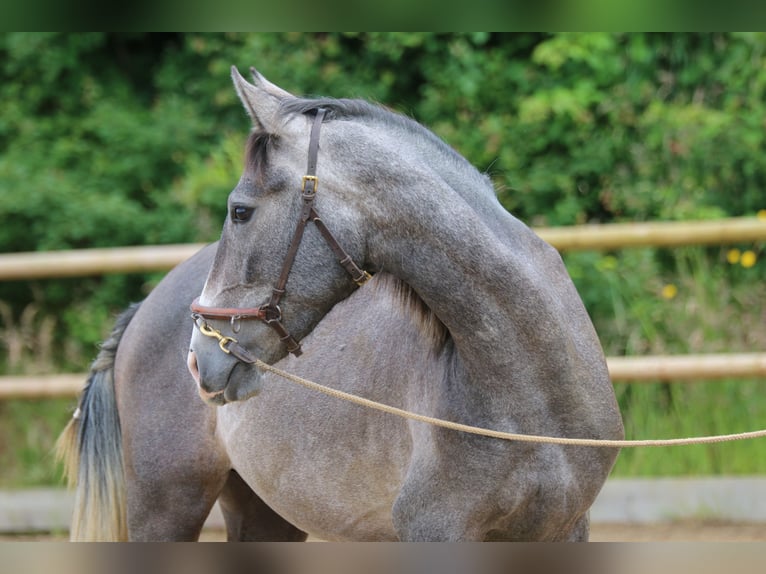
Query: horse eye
pixel 241 213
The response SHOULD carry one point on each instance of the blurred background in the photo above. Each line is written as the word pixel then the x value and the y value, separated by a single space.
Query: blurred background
pixel 125 139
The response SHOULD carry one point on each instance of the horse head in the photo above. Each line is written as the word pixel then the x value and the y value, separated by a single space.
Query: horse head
pixel 272 263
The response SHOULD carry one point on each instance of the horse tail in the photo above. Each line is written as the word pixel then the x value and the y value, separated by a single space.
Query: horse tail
pixel 90 448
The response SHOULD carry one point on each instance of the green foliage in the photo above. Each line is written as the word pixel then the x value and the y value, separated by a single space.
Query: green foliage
pixel 112 139
pixel 687 410
pixel 28 431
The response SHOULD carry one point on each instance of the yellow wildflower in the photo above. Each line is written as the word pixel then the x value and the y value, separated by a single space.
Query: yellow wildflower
pixel 748 259
pixel 762 214
pixel 607 263
pixel 669 291
pixel 733 256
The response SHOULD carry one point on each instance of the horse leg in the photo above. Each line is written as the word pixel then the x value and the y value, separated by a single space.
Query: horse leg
pixel 420 516
pixel 159 511
pixel 432 506
pixel 461 488
pixel 581 530
pixel 438 508
pixel 248 518
pixel 175 467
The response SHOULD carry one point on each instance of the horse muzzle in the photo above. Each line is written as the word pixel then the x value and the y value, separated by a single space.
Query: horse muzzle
pixel 210 397
pixel 221 378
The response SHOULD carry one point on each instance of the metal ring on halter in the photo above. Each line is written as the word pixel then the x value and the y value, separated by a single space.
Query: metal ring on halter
pixel 268 310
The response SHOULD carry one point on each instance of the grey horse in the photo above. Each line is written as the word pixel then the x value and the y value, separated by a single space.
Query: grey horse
pixel 469 317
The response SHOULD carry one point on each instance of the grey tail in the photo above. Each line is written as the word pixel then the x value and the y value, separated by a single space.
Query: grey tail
pixel 91 449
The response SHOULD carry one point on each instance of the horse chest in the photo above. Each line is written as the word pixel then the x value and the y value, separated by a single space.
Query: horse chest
pixel 336 476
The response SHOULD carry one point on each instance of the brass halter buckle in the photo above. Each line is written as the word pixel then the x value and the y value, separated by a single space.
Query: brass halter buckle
pixel 365 278
pixel 208 331
pixel 309 181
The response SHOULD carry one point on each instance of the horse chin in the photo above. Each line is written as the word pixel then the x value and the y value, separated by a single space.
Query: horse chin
pixel 214 399
pixel 241 383
pixel 242 387
pixel 231 393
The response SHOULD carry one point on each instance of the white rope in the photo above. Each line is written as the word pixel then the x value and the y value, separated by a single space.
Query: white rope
pixel 504 435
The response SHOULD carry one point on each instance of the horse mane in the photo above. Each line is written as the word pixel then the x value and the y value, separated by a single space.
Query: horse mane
pixel 362 110
pixel 259 143
pixel 424 319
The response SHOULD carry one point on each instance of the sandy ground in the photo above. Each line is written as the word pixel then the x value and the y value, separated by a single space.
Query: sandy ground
pixel 685 531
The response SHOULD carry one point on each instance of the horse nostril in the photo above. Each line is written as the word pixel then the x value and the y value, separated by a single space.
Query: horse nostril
pixel 191 363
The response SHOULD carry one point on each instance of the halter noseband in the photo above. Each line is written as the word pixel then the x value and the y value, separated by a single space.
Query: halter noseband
pixel 270 313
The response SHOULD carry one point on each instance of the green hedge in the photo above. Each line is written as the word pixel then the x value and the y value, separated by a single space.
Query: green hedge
pixel 128 139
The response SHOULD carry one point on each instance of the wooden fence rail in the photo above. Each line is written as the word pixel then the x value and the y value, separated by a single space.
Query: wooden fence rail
pixel 78 263
pixel 85 262
pixel 622 369
pixel 656 234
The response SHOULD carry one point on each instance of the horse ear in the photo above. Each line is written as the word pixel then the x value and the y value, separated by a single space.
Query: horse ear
pixel 273 89
pixel 261 99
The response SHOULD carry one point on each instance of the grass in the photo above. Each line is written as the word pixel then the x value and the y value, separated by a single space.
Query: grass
pixel 28 431
pixel 679 410
pixel 643 301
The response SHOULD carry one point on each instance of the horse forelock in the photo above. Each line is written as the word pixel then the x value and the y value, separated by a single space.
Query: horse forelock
pixel 257 151
pixel 424 319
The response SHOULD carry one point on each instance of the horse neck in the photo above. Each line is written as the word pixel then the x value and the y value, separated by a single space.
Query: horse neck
pixel 502 293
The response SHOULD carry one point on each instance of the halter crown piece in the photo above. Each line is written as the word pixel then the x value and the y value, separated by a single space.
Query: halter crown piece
pixel 270 313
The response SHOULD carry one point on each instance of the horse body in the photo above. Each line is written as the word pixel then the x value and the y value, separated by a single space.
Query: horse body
pixel 345 473
pixel 470 318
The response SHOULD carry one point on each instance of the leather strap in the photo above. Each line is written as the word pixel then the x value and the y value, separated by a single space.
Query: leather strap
pixel 308 193
pixel 358 276
pixel 311 167
pixel 270 313
pixel 232 313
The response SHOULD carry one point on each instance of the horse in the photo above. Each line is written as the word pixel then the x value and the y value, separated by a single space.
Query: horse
pixel 363 252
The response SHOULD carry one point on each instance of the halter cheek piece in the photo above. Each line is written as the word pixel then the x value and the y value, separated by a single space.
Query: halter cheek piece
pixel 270 313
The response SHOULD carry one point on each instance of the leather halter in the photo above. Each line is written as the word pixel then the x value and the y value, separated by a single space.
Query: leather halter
pixel 270 313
